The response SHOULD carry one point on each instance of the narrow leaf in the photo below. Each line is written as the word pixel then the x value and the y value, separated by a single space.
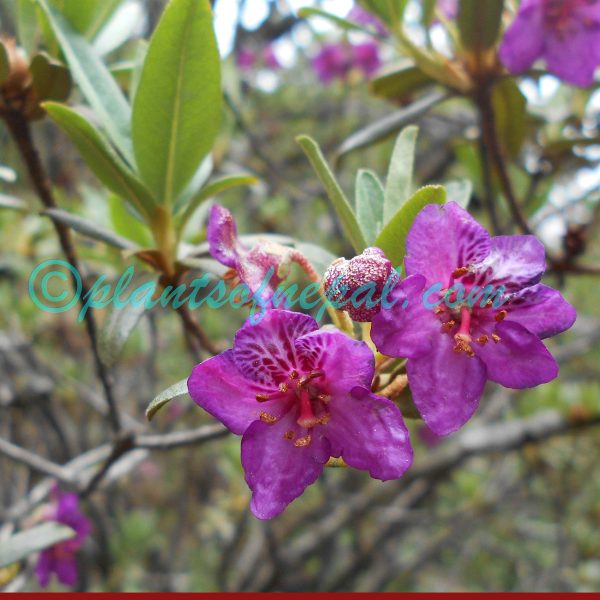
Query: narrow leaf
pixel 479 23
pixel 370 197
pixel 213 189
pixel 392 240
pixel 177 390
pixel 101 158
pixel 335 193
pixel 311 11
pixel 22 544
pixel 4 63
pixel 94 80
pixel 116 329
pixel 89 229
pixel 177 107
pixel 459 192
pixel 399 181
pixel 400 82
pixel 12 202
pixel 390 124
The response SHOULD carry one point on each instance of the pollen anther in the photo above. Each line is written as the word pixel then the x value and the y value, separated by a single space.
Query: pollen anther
pixel 303 441
pixel 267 418
pixel 501 315
pixel 496 338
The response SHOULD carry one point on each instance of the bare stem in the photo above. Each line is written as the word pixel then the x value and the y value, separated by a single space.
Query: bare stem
pixel 20 131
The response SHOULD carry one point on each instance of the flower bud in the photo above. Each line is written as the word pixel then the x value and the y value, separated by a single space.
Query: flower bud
pixel 356 285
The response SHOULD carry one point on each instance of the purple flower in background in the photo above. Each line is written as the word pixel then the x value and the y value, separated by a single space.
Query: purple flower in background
pixel 61 558
pixel 361 281
pixel 299 395
pixel 246 59
pixel 365 58
pixel 336 61
pixel 332 62
pixel 362 17
pixel 566 33
pixel 270 58
pixel 251 265
pixel 453 351
pixel 449 8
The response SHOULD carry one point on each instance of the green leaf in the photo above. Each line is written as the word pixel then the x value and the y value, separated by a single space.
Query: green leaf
pixel 370 197
pixel 27 27
pixel 335 193
pixel 116 329
pixel 4 63
pixel 346 24
pixel 177 107
pixel 459 192
pixel 389 11
pixel 24 543
pixel 101 158
pixel 94 80
pixel 90 229
pixel 390 124
pixel 87 16
pixel 213 189
pixel 127 225
pixel 399 83
pixel 178 390
pixel 392 240
pixel 51 79
pixel 510 108
pixel 196 184
pixel 399 180
pixel 479 23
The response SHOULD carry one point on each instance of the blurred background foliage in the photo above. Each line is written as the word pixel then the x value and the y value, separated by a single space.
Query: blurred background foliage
pixel 522 518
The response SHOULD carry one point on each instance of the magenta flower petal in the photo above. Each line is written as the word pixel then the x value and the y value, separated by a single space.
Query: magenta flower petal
pixel 515 262
pixel 446 386
pixel 66 571
pixel 262 267
pixel 222 237
pixel 444 238
pixel 363 17
pixel 368 432
pixel 564 32
pixel 468 334
pixel 61 558
pixel 276 471
pixel 542 310
pixel 333 352
pixel 523 42
pixel 265 352
pixel 408 328
pixel 574 57
pixel 304 384
pixel 44 568
pixel 333 61
pixel 221 390
pixel 519 360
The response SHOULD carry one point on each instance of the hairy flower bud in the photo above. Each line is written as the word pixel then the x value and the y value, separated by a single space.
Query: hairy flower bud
pixel 356 285
pixel 16 86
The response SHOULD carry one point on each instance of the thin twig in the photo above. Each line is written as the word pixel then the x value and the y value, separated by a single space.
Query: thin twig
pixel 20 131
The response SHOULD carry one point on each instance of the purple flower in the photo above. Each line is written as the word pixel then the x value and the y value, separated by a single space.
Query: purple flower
pixel 299 395
pixel 356 285
pixel 270 58
pixel 332 62
pixel 335 61
pixel 449 8
pixel 61 558
pixel 453 351
pixel 566 33
pixel 262 267
pixel 362 17
pixel 246 59
pixel 366 58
